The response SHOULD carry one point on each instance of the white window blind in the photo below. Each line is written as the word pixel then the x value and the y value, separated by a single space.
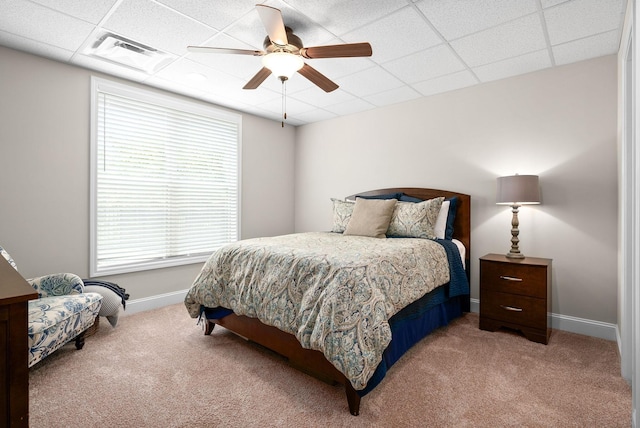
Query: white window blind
pixel 165 180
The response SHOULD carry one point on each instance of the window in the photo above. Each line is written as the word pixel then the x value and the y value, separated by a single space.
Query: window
pixel 164 179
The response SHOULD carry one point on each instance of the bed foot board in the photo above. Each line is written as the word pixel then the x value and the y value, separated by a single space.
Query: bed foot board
pixel 353 399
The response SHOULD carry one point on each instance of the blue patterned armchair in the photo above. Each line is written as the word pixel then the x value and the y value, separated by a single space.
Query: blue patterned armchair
pixel 63 312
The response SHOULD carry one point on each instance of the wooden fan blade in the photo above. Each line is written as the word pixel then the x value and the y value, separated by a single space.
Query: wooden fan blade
pixel 317 78
pixel 208 49
pixel 273 23
pixel 337 51
pixel 257 79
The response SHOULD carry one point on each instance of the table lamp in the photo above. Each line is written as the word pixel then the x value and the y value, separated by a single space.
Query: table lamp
pixel 516 190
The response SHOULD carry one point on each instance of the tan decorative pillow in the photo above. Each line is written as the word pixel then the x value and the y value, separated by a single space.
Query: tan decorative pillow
pixel 415 220
pixel 371 217
pixel 342 211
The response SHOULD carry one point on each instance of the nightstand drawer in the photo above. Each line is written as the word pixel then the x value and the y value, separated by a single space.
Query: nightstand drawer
pixel 527 280
pixel 513 308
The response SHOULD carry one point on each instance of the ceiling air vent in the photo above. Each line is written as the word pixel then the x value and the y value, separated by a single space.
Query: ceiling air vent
pixel 114 48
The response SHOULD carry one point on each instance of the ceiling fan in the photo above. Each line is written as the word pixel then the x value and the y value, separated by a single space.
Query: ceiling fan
pixel 283 52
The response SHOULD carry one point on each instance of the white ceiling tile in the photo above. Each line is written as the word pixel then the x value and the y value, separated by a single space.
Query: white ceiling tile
pixel 320 98
pixel 108 67
pixel 292 106
pixel 368 82
pixel 450 82
pixel 154 25
pixel 311 34
pixel 393 96
pixel 316 115
pixel 271 115
pixel 172 86
pixel 576 19
pixel 92 11
pixel 222 40
pixel 455 18
pixel 589 47
pixel 350 107
pixel 494 38
pixel 296 84
pixel 250 28
pixel 335 68
pixel 382 34
pixel 341 17
pixel 510 67
pixel 425 65
pixel 241 66
pixel 225 102
pixel 217 99
pixel 217 15
pixel 550 3
pixel 302 26
pixel 38 48
pixel 247 96
pixel 42 24
pixel 514 38
pixel 226 88
pixel 179 71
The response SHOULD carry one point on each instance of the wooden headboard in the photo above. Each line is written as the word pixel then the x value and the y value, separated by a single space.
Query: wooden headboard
pixel 462 223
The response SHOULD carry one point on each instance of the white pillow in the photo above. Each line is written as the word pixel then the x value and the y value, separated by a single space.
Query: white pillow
pixel 441 223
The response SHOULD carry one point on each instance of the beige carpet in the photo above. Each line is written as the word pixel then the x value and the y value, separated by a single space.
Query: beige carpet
pixel 158 369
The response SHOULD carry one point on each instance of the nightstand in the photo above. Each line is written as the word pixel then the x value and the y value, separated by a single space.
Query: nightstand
pixel 516 293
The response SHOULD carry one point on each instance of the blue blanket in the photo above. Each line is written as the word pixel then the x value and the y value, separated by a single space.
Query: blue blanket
pixel 459 283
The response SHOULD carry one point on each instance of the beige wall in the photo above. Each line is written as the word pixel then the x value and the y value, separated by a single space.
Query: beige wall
pixel 44 182
pixel 558 123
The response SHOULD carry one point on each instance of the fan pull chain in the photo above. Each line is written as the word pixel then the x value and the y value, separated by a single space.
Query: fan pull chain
pixel 284 99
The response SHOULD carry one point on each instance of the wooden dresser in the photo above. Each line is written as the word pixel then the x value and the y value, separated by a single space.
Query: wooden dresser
pixel 516 293
pixel 15 292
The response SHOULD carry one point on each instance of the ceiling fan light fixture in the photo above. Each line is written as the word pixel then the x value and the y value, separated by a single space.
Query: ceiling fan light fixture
pixel 282 64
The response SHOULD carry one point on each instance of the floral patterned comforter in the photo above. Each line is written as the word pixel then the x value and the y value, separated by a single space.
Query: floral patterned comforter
pixel 335 293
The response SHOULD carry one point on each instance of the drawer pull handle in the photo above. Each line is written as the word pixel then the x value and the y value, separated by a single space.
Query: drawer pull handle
pixel 511 308
pixel 511 278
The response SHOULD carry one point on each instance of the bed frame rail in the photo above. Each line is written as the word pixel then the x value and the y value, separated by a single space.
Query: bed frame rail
pixel 308 361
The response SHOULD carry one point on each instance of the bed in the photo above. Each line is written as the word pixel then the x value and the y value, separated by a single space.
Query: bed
pixel 385 299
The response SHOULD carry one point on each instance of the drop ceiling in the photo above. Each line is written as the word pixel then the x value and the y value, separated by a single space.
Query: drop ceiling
pixel 420 48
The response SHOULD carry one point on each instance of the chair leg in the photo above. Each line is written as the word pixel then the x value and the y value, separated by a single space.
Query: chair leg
pixel 80 340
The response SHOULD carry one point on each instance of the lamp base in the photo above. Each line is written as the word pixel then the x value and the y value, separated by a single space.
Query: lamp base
pixel 514 253
pixel 511 255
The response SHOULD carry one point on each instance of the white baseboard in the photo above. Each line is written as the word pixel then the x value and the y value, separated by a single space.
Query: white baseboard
pixel 603 330
pixel 571 324
pixel 475 305
pixel 154 302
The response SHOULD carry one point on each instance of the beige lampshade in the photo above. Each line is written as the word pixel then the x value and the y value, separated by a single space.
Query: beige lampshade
pixel 518 190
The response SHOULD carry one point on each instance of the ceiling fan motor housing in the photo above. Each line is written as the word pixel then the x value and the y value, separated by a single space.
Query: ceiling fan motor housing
pixel 294 45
